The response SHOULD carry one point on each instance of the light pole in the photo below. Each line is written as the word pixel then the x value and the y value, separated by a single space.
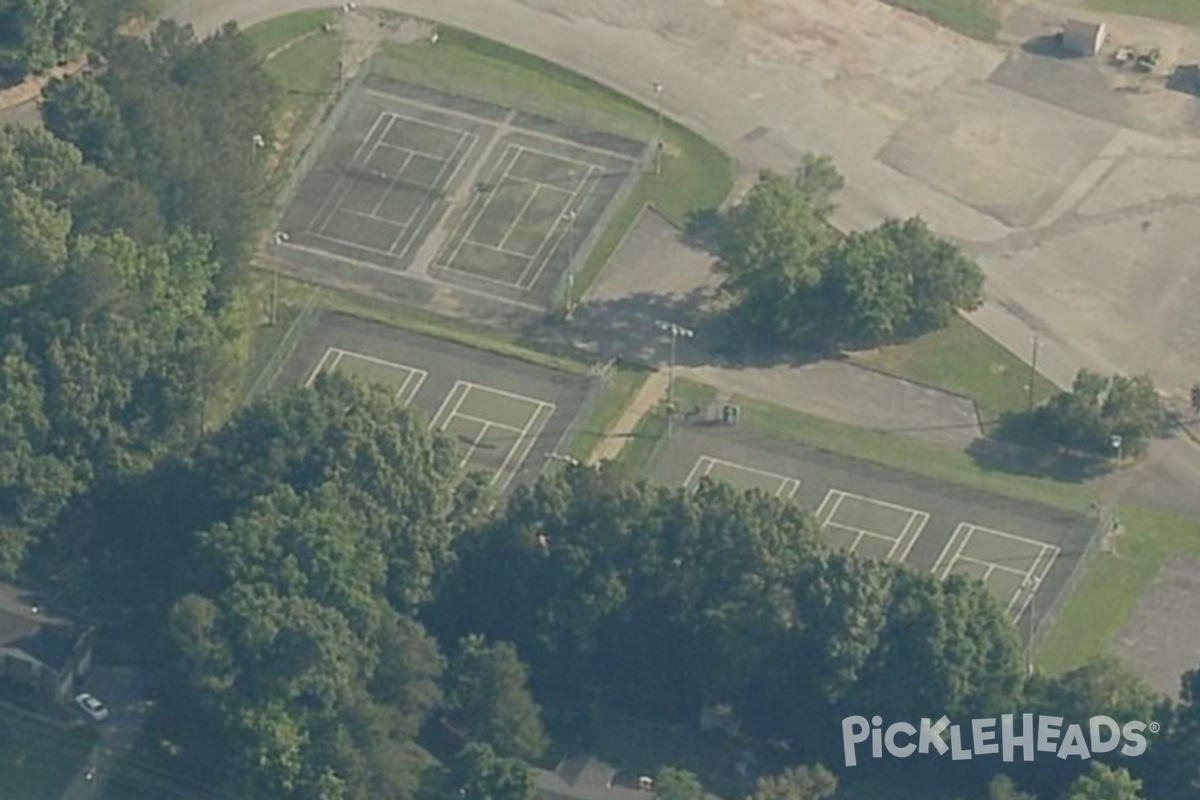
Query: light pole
pixel 280 238
pixel 1117 443
pixel 675 331
pixel 1033 370
pixel 658 130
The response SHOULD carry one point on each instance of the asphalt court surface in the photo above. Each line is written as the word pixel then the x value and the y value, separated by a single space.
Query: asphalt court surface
pixel 504 416
pixel 535 204
pixel 1017 549
pixel 384 181
pixel 424 186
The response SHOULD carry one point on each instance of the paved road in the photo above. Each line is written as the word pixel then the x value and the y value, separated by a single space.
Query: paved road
pixel 751 104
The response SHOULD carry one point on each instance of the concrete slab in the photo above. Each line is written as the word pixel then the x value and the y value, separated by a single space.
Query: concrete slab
pixel 1011 165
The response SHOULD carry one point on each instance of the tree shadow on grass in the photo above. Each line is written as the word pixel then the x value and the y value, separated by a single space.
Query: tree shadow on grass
pixel 997 456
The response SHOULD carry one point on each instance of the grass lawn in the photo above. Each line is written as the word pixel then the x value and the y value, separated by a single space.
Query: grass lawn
pixel 306 71
pixel 295 295
pixel 975 18
pixel 38 761
pixel 1115 583
pixel 695 174
pixel 650 433
pixel 1185 11
pixel 908 455
pixel 623 385
pixel 275 33
pixel 966 360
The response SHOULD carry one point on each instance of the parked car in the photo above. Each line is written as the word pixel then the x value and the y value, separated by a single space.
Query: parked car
pixel 92 707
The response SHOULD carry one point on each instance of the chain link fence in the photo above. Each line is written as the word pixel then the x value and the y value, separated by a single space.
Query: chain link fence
pixel 283 351
pixel 562 296
pixel 1042 624
pixel 315 139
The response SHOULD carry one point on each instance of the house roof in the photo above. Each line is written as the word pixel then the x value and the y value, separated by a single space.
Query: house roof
pixel 583 779
pixel 1082 35
pixel 25 626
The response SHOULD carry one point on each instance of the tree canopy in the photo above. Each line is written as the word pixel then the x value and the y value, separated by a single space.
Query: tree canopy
pixel 1105 416
pixel 795 282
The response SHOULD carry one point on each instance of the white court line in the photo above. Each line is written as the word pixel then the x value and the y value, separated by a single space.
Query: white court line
pixel 1031 583
pixel 392 185
pixel 554 157
pixel 489 422
pixel 391 223
pixel 836 496
pixel 341 183
pixel 353 245
pixel 512 225
pixel 820 512
pixel 427 124
pixel 792 494
pixel 474 446
pixel 784 481
pixel 529 443
pixel 692 476
pixel 459 386
pixel 496 180
pixel 320 367
pixel 523 439
pixel 949 543
pixel 1012 536
pixel 924 520
pixel 420 375
pixel 472 139
pixel 569 205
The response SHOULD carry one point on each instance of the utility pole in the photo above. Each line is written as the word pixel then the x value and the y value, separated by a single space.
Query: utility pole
pixel 675 331
pixel 658 131
pixel 1033 370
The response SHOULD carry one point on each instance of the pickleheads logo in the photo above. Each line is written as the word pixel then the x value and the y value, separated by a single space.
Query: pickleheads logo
pixel 1037 734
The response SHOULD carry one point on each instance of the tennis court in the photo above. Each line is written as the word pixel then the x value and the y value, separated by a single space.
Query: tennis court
pixel 742 477
pixel 388 189
pixel 1012 566
pixel 531 212
pixel 494 428
pixel 870 527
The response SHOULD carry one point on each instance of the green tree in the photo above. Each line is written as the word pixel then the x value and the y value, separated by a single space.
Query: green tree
pixel 1105 783
pixel 1003 787
pixel 479 774
pixel 947 647
pixel 897 280
pixel 771 247
pixel 487 694
pixel 672 783
pixel 36 34
pixel 797 783
pixel 79 110
pixel 1087 418
pixel 403 480
pixel 818 179
pixel 1102 686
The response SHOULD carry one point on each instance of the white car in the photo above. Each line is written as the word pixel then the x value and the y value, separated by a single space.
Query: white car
pixel 92 707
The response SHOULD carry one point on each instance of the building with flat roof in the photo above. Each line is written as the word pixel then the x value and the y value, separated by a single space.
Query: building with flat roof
pixel 1083 38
